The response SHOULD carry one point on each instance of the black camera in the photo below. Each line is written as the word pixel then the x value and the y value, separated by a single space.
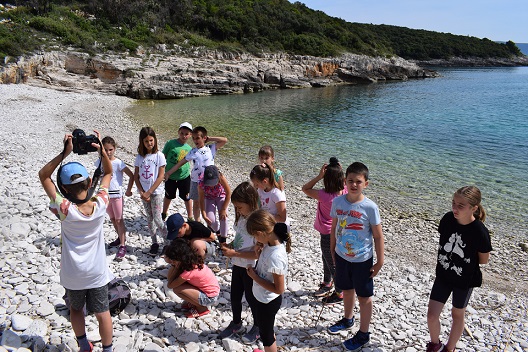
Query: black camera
pixel 82 144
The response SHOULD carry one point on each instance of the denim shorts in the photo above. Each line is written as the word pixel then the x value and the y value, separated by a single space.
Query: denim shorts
pixel 354 276
pixel 206 301
pixel 193 194
pixel 96 299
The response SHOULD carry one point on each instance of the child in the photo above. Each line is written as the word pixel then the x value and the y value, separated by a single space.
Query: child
pixel 190 279
pixel 464 244
pixel 84 272
pixel 268 276
pixel 267 156
pixel 197 234
pixel 175 150
pixel 356 229
pixel 149 170
pixel 272 198
pixel 115 206
pixel 334 185
pixel 241 250
pixel 202 155
pixel 214 194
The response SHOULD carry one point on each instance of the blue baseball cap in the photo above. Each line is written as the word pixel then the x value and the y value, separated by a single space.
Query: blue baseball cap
pixel 70 169
pixel 174 224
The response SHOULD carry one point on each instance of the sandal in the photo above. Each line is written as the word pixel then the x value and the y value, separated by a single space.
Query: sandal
pixel 193 313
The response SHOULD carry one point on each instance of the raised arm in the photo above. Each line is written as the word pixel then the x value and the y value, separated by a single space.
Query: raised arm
pixel 47 170
pixel 307 188
pixel 220 141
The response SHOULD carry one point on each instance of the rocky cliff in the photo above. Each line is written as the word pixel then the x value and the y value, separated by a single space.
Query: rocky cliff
pixel 202 72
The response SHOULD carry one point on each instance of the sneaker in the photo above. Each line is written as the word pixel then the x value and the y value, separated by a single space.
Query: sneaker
pixel 114 243
pixel 359 340
pixel 231 329
pixel 154 249
pixel 251 336
pixel 120 253
pixel 324 290
pixel 341 325
pixel 434 347
pixel 333 299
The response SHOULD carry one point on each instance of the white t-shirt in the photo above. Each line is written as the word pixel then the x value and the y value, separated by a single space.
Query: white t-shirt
pixel 272 260
pixel 149 170
pixel 269 199
pixel 243 242
pixel 83 254
pixel 117 177
pixel 201 158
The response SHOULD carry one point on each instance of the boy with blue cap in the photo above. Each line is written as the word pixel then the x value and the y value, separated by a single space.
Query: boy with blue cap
pixel 84 272
pixel 200 236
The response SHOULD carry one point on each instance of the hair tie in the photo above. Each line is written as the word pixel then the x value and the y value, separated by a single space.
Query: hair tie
pixel 280 229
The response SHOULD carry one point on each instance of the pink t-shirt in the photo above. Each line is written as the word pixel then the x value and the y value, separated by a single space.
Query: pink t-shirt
pixel 204 280
pixel 323 220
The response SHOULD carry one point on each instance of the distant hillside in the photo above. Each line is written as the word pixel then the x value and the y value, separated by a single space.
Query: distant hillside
pixel 255 26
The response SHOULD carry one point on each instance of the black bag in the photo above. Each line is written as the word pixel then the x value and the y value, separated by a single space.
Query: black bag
pixel 118 296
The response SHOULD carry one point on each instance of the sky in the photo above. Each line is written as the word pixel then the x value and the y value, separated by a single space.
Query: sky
pixel 498 20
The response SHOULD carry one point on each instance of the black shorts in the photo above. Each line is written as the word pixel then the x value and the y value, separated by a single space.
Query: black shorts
pixel 96 299
pixel 182 186
pixel 442 290
pixel 354 276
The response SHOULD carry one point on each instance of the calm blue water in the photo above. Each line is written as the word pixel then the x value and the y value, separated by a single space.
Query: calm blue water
pixel 421 139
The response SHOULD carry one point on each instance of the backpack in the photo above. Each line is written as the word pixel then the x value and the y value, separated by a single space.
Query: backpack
pixel 118 296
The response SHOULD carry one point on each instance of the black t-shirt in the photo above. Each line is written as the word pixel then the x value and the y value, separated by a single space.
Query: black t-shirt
pixel 459 245
pixel 198 230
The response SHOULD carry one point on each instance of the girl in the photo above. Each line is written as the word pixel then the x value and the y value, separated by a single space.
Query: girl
pixel 267 156
pixel 149 171
pixel 272 198
pixel 334 185
pixel 214 195
pixel 115 206
pixel 464 244
pixel 190 279
pixel 269 275
pixel 241 250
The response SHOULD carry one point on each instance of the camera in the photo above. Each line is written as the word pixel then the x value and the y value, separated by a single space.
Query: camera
pixel 82 144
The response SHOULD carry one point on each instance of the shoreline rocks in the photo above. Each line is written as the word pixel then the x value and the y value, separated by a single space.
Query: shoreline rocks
pixel 33 314
pixel 162 75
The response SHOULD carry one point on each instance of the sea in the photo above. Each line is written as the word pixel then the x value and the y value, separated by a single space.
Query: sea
pixel 421 139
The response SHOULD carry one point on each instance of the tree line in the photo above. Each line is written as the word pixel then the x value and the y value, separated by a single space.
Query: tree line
pixel 253 26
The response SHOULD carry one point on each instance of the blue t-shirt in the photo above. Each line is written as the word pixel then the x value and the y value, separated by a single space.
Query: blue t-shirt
pixel 354 241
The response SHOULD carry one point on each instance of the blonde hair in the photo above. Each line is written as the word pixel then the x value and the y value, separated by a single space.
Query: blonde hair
pixel 262 220
pixel 473 196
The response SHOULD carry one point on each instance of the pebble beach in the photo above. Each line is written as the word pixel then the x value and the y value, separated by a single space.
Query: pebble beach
pixel 33 316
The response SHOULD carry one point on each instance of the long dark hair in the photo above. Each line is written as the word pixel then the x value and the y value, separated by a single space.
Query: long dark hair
pixel 247 194
pixel 263 172
pixel 144 133
pixel 334 177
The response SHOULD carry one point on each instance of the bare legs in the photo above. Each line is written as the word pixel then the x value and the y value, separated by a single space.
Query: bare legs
pixel 433 322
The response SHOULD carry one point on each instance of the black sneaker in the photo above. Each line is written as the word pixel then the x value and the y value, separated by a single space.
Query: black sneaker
pixel 114 243
pixel 334 298
pixel 359 340
pixel 154 249
pixel 340 325
pixel 324 290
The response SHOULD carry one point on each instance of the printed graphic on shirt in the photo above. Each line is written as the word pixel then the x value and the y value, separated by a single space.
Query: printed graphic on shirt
pixel 454 246
pixel 348 238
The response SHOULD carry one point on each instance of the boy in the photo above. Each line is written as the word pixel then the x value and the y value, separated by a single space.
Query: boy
pixel 84 272
pixel 175 150
pixel 199 235
pixel 356 228
pixel 202 155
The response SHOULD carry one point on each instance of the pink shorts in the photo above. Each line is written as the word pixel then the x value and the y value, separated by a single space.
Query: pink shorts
pixel 115 208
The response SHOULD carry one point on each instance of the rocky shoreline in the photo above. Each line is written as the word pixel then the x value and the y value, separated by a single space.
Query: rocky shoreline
pixel 33 314
pixel 160 74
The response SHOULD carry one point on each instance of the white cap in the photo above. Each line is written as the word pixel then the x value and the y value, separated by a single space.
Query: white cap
pixel 186 125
